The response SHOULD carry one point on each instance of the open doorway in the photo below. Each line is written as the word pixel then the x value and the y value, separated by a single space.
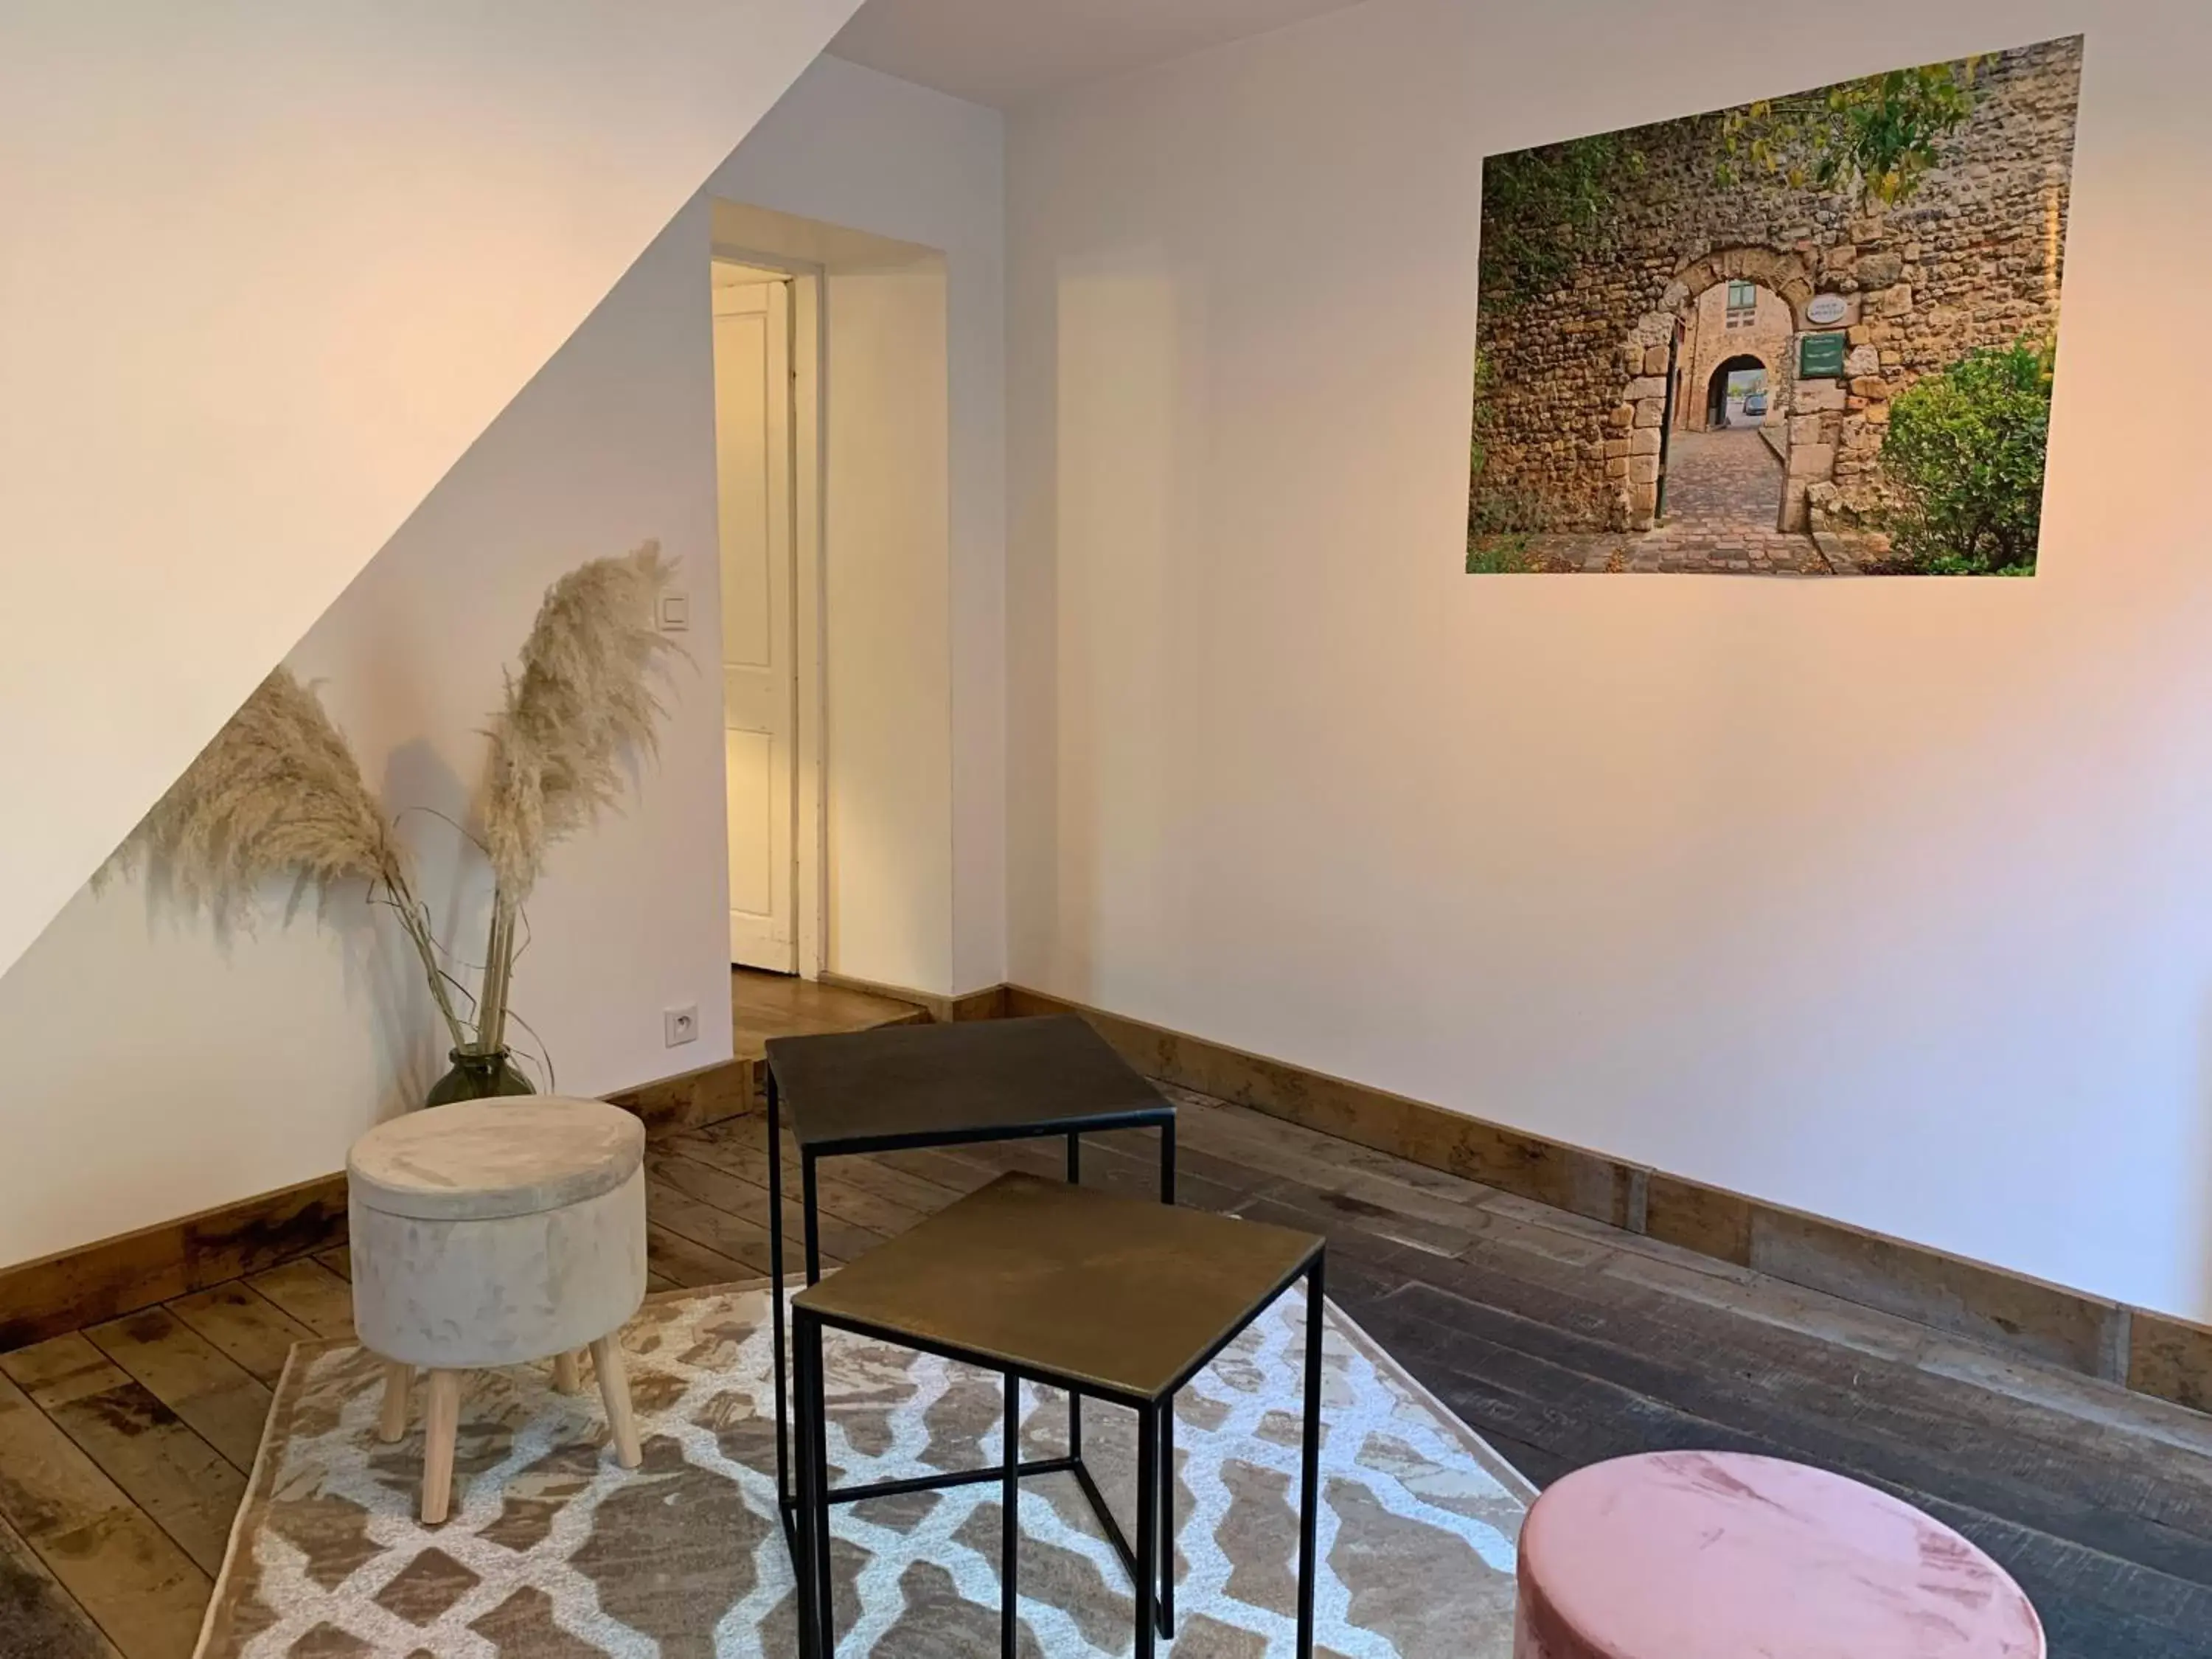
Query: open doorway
pixel 766 478
pixel 1723 490
pixel 870 599
pixel 1736 394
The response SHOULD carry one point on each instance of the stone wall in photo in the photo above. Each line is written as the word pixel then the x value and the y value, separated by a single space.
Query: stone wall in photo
pixel 1579 376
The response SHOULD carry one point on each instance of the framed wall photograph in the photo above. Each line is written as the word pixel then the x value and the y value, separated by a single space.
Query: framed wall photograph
pixel 1811 334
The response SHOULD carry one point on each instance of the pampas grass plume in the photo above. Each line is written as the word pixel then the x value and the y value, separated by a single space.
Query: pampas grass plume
pixel 278 794
pixel 275 793
pixel 581 700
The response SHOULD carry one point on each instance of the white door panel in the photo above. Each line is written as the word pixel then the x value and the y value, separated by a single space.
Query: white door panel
pixel 753 434
pixel 749 757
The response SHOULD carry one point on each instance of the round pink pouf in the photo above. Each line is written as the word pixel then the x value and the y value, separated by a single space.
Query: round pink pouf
pixel 1713 1555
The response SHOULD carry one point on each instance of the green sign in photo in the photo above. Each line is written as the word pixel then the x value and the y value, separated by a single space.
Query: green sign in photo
pixel 1820 356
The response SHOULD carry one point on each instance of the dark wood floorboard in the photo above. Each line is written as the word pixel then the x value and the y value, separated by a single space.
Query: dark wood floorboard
pixel 39 1619
pixel 764 1006
pixel 1562 1341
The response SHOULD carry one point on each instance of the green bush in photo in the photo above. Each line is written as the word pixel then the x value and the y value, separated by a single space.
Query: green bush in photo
pixel 1964 458
pixel 1502 521
pixel 1506 553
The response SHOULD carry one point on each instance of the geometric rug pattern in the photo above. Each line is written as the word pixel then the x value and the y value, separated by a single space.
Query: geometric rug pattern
pixel 553 1550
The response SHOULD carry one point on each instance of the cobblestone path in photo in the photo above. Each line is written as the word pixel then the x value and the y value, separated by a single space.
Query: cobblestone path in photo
pixel 1723 498
pixel 1724 479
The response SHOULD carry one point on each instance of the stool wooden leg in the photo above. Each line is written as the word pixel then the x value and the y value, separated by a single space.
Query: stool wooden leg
pixel 441 1421
pixel 392 1422
pixel 614 1388
pixel 567 1371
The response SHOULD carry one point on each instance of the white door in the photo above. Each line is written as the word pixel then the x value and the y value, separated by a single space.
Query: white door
pixel 753 434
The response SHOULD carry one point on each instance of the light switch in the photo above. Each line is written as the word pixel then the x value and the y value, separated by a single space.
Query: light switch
pixel 675 612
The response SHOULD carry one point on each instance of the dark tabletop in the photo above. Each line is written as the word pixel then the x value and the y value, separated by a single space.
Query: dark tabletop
pixel 979 1080
pixel 1119 1293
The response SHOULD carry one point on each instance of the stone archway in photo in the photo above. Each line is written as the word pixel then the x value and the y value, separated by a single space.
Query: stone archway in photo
pixel 1657 391
pixel 1715 393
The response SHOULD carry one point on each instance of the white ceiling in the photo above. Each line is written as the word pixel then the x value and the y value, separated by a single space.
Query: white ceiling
pixel 1007 52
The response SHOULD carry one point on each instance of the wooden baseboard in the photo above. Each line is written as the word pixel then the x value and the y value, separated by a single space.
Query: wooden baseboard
pixel 73 1288
pixel 691 1100
pixel 989 1003
pixel 111 1277
pixel 2153 1353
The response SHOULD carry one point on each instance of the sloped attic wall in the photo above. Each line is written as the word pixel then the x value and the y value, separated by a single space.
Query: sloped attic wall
pixel 149 1068
pixel 270 269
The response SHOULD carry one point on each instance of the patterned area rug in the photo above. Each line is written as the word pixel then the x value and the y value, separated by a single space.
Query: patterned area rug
pixel 555 1551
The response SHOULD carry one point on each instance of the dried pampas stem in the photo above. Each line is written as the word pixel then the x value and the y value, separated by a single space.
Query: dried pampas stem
pixel 277 793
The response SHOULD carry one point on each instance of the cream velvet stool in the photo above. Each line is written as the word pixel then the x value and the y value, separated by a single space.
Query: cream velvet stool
pixel 496 1233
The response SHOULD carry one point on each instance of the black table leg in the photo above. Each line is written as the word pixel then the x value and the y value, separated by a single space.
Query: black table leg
pixel 776 1288
pixel 1310 1461
pixel 817 1449
pixel 1010 1533
pixel 801 1538
pixel 1148 1528
pixel 816 1520
pixel 812 1216
pixel 1167 1421
pixel 1167 1519
pixel 1074 1399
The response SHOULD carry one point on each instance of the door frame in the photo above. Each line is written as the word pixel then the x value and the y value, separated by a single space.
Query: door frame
pixel 807 354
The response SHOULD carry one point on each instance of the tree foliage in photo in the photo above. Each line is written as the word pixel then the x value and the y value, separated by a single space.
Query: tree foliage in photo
pixel 1543 209
pixel 1965 456
pixel 1877 136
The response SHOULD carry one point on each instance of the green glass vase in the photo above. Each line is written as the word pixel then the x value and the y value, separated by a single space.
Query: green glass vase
pixel 477 1074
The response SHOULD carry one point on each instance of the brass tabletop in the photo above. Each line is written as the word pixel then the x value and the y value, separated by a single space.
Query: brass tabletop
pixel 1115 1295
pixel 980 1079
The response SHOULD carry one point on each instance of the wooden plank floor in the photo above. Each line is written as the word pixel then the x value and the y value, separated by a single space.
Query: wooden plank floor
pixel 764 1006
pixel 124 1448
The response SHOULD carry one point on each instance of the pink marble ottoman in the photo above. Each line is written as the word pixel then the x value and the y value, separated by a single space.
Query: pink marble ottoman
pixel 1713 1555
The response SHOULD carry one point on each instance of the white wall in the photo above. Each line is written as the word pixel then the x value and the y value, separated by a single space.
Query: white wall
pixel 1887 899
pixel 269 269
pixel 153 1070
pixel 916 625
pixel 887 599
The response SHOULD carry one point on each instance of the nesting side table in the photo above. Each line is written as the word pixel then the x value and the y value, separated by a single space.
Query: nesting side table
pixel 1101 1295
pixel 899 1088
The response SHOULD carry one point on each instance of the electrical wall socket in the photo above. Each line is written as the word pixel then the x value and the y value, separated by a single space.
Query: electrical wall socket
pixel 680 1025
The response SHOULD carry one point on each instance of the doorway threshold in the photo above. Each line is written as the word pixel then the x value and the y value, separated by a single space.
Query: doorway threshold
pixel 764 1006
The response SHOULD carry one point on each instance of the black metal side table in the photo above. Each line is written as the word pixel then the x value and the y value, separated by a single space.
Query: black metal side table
pixel 1104 1296
pixel 900 1088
